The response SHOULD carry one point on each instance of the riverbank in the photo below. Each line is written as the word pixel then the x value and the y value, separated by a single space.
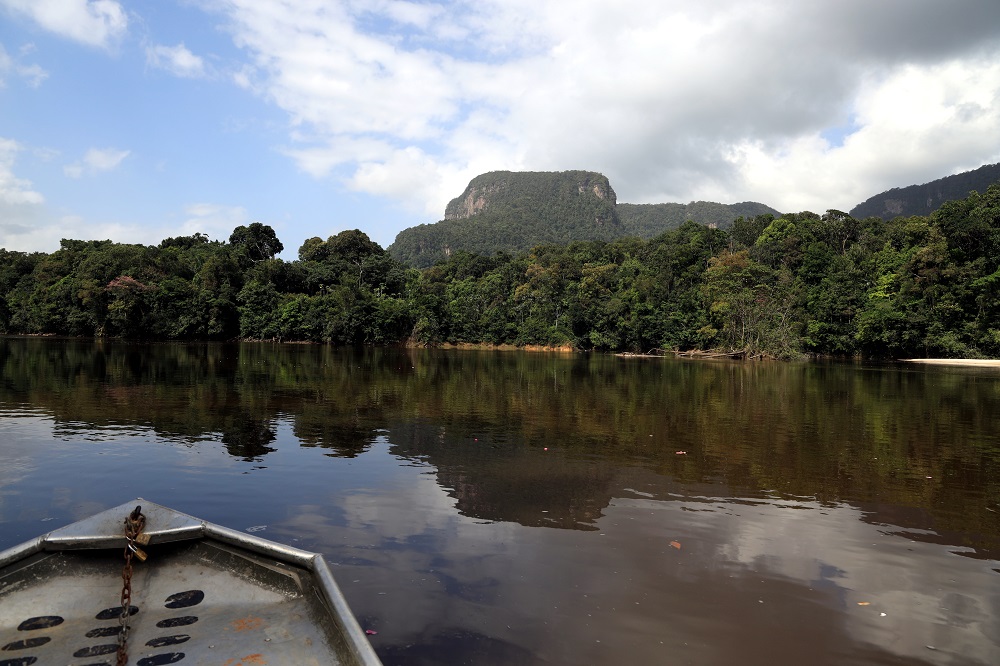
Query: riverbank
pixel 564 349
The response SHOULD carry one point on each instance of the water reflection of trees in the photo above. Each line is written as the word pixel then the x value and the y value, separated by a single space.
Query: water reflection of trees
pixel 318 427
pixel 247 437
pixel 925 438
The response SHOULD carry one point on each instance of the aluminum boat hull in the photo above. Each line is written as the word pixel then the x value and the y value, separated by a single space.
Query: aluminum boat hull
pixel 206 595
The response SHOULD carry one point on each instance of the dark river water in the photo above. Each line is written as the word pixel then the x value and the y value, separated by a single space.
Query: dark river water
pixel 526 508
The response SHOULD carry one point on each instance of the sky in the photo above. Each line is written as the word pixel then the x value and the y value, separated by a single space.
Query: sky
pixel 138 120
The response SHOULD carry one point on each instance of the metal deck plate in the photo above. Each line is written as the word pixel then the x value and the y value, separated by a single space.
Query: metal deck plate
pixel 198 602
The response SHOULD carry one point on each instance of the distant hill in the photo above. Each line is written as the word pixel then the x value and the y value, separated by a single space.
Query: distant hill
pixel 925 199
pixel 516 211
pixel 649 220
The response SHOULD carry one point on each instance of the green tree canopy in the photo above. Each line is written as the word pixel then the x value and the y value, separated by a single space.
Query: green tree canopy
pixel 258 241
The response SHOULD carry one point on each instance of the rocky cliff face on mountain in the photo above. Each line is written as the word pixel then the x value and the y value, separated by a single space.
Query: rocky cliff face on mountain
pixel 515 189
pixel 927 198
pixel 516 211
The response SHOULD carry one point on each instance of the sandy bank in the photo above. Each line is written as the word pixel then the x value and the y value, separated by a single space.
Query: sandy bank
pixel 986 362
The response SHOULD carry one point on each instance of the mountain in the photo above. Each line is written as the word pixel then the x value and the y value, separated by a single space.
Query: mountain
pixel 515 211
pixel 925 199
pixel 577 191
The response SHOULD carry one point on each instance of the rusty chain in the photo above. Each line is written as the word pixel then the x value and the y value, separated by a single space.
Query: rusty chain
pixel 134 524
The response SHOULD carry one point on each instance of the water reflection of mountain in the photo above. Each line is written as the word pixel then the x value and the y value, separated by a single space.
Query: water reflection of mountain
pixel 495 479
pixel 563 487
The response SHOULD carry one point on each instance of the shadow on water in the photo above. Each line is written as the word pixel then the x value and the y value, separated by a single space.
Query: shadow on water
pixel 457 646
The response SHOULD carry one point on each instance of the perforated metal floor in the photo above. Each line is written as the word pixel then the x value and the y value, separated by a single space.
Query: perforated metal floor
pixel 200 603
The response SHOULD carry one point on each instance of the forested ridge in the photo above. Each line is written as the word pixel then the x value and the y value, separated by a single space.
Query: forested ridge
pixel 650 220
pixel 784 287
pixel 926 198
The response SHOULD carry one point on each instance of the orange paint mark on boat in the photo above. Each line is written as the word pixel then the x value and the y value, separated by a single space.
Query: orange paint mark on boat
pixel 248 623
pixel 249 660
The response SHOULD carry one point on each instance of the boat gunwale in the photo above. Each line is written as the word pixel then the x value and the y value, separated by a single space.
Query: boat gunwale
pixel 22 551
pixel 193 529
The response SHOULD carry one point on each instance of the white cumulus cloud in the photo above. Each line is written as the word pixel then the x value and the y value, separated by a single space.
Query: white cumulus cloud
pixel 21 206
pixel 92 22
pixel 177 60
pixel 95 161
pixel 672 100
pixel 215 220
pixel 914 125
pixel 14 190
pixel 32 74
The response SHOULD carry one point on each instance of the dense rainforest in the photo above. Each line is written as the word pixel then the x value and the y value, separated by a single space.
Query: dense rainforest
pixel 783 287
